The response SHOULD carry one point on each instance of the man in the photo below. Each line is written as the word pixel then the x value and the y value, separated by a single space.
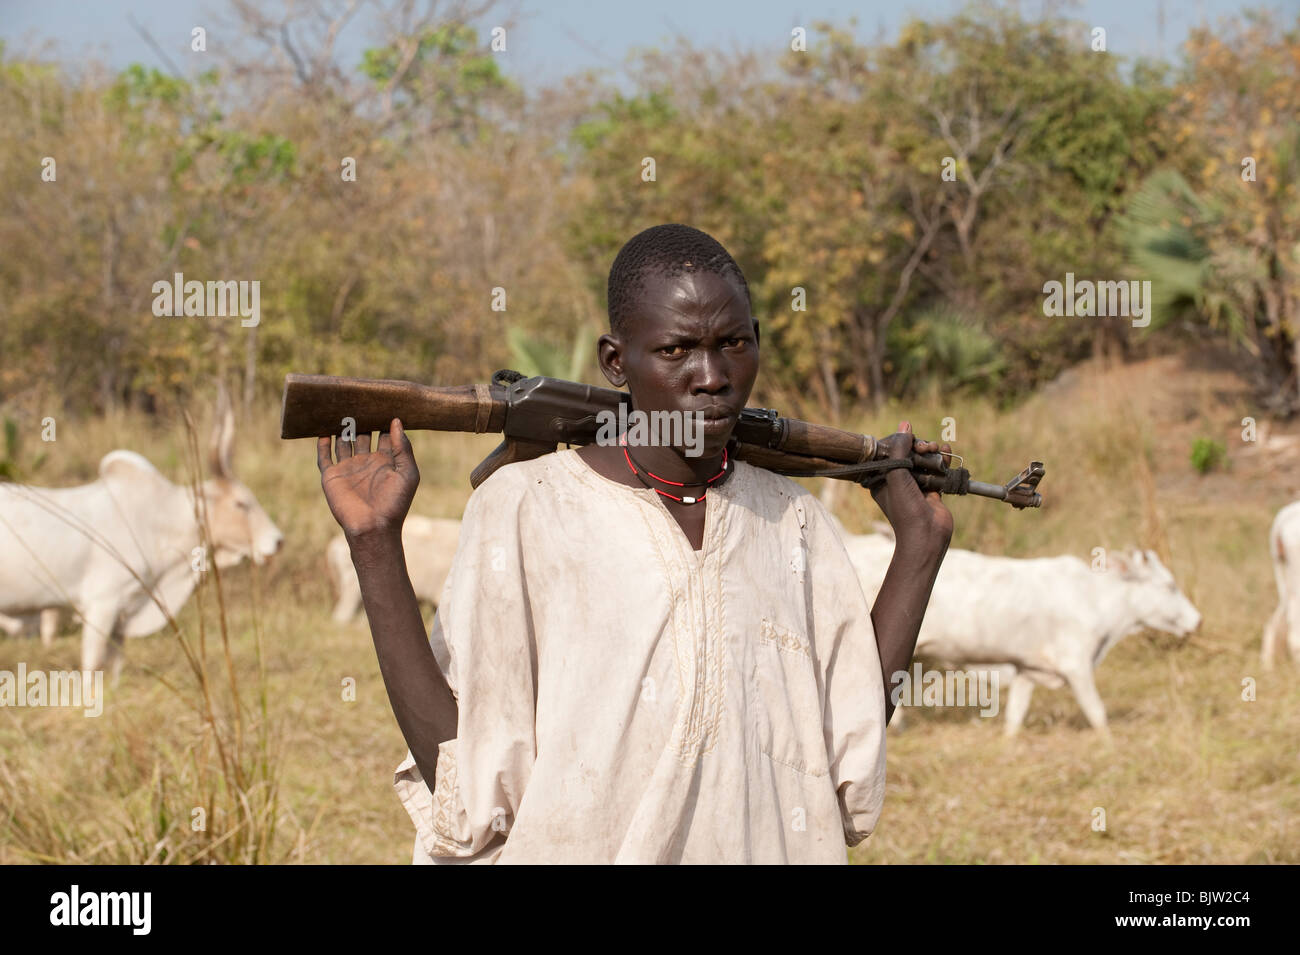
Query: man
pixel 643 656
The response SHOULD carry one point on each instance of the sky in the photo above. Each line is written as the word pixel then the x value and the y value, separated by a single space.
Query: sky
pixel 562 36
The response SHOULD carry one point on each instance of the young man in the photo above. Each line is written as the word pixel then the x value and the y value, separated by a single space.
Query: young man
pixel 643 656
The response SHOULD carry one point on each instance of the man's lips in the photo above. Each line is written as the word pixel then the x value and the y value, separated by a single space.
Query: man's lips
pixel 715 421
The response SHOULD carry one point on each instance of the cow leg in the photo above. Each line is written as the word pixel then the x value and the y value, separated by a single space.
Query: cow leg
pixel 349 590
pixel 896 721
pixel 348 604
pixel 96 636
pixel 338 560
pixel 49 626
pixel 1085 691
pixel 1291 625
pixel 1272 633
pixel 116 654
pixel 1018 697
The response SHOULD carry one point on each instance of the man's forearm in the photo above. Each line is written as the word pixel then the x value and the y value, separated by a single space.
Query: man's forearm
pixel 419 695
pixel 900 608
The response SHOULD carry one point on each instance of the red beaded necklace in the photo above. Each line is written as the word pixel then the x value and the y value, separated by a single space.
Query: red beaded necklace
pixel 622 440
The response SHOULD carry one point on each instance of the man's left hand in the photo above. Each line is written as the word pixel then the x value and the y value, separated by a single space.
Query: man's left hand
pixel 921 521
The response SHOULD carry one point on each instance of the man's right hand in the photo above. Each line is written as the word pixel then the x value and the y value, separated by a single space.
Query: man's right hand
pixel 369 492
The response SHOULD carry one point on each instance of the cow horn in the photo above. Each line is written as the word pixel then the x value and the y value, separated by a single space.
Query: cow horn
pixel 223 435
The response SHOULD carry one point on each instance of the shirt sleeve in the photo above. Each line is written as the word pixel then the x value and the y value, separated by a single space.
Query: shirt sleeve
pixel 483 640
pixel 854 695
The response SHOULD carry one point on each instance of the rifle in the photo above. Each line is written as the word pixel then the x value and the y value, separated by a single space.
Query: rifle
pixel 537 414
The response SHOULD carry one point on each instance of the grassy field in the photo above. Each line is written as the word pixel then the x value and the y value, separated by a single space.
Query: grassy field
pixel 295 772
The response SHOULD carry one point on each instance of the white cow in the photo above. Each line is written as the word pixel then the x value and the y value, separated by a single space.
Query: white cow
pixel 1284 545
pixel 1047 620
pixel 108 549
pixel 429 543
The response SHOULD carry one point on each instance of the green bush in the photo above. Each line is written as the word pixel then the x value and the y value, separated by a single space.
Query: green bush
pixel 939 347
pixel 1207 454
pixel 11 469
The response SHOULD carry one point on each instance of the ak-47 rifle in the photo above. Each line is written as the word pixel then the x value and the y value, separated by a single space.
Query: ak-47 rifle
pixel 537 414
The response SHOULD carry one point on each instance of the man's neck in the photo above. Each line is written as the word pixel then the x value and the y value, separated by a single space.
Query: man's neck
pixel 609 462
pixel 673 465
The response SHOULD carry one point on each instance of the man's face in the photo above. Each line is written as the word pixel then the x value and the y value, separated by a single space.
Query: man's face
pixel 690 345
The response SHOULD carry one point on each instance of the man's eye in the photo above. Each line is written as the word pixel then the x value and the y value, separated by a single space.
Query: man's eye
pixel 672 351
pixel 733 342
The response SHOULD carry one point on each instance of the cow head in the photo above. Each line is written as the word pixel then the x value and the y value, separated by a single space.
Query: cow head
pixel 238 525
pixel 1155 596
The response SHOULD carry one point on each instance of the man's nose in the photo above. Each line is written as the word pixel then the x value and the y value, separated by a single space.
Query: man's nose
pixel 711 375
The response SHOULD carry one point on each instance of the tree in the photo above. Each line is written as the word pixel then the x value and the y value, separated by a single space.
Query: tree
pixel 1233 210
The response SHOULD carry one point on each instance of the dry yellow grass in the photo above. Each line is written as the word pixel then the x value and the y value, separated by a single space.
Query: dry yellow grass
pixel 1195 774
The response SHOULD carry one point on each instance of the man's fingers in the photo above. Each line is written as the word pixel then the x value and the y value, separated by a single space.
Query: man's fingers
pixel 900 443
pixel 404 459
pixel 343 449
pixel 385 442
pixel 323 457
pixel 363 443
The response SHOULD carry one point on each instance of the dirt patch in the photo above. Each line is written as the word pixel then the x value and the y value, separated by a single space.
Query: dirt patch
pixel 1199 393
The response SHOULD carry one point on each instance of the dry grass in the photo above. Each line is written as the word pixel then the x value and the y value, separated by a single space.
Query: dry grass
pixel 1195 773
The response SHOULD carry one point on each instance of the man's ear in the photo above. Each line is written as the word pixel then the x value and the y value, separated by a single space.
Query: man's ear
pixel 609 353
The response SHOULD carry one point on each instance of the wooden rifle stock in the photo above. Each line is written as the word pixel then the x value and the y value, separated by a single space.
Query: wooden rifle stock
pixel 316 405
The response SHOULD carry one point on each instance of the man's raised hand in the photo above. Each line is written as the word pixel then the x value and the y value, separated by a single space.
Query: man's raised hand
pixel 919 518
pixel 369 492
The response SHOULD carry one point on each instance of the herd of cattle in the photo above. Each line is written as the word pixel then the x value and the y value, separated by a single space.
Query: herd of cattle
pixel 124 553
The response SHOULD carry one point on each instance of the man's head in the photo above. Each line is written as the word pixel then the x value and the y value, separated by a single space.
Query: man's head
pixel 664 250
pixel 681 334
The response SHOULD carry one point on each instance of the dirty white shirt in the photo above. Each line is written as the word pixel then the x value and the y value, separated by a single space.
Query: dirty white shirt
pixel 624 698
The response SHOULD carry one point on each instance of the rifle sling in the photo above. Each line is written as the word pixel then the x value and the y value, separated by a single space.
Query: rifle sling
pixel 955 480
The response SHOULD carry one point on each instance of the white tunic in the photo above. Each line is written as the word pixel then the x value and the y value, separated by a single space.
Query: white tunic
pixel 624 698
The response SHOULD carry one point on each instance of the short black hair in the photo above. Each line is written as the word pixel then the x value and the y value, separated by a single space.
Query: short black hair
pixel 664 250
